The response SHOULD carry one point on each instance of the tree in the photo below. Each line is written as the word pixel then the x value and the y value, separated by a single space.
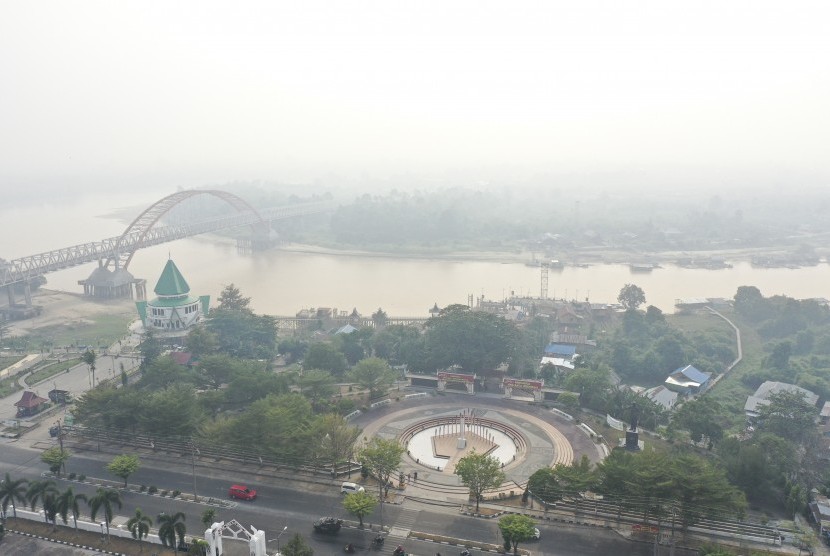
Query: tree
pixel 702 418
pixel 479 472
pixel 123 466
pixel 68 501
pixel 150 348
pixel 208 517
pixel 374 374
pixel 337 438
pixel 475 340
pixel 380 317
pixel 297 547
pixel 55 458
pixel 105 499
pixel 12 491
pixel 139 525
pixel 231 298
pixel 360 504
pixel 200 342
pixel 516 528
pixel 568 400
pixel 789 415
pixel 325 357
pixel 89 358
pixel 382 458
pixel 241 333
pixel 45 492
pixel 170 527
pixel 316 384
pixel 631 296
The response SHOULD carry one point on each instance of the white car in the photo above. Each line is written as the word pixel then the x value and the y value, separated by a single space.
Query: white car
pixel 537 534
pixel 351 488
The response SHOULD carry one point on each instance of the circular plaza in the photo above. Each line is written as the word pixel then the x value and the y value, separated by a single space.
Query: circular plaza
pixel 437 431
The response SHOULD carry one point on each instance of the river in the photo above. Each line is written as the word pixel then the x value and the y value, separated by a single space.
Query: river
pixel 281 282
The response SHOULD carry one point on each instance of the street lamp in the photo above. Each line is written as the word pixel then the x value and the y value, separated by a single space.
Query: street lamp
pixel 284 529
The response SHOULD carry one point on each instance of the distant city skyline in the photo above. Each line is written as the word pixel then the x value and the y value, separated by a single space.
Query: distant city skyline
pixel 713 95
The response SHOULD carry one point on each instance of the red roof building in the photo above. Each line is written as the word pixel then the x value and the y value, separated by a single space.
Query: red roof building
pixel 29 404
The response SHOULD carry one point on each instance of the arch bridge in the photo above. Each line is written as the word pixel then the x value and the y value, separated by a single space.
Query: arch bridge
pixel 111 278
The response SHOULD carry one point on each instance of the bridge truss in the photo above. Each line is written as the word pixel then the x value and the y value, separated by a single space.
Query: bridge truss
pixel 144 232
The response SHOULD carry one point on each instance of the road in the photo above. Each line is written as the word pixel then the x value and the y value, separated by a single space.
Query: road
pixel 296 505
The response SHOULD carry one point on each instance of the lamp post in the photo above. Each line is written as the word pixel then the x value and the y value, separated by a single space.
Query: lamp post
pixel 284 529
pixel 193 451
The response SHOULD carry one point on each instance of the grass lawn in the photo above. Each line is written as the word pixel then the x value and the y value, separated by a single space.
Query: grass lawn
pixel 9 386
pixel 731 392
pixel 50 370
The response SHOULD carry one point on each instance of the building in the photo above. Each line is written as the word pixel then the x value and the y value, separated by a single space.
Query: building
pixel 687 380
pixel 767 389
pixel 662 396
pixel 30 404
pixel 174 311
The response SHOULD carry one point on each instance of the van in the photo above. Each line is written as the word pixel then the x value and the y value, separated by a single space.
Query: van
pixel 350 488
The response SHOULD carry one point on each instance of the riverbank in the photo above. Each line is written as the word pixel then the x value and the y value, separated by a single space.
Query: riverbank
pixel 72 318
pixel 589 255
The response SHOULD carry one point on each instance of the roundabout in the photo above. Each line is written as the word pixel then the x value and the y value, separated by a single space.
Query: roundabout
pixel 438 431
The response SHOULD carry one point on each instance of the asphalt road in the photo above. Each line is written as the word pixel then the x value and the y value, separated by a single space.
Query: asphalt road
pixel 297 505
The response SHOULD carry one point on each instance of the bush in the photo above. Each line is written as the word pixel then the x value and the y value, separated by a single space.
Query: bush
pixel 175 493
pixel 82 477
pixel 142 488
pixel 72 476
pixel 164 492
pixel 152 489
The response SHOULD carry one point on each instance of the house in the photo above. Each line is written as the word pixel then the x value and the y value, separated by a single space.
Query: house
pixel 345 329
pixel 662 396
pixel 820 512
pixel 762 394
pixel 183 358
pixel 687 380
pixel 560 350
pixel 560 363
pixel 29 404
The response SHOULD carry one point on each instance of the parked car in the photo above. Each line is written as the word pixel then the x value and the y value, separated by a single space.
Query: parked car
pixel 241 492
pixel 351 488
pixel 328 525
pixel 537 534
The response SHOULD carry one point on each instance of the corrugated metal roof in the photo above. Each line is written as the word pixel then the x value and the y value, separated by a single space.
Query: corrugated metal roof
pixel 693 374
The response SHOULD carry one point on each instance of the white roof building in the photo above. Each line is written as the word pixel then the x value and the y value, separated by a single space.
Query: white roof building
pixel 761 396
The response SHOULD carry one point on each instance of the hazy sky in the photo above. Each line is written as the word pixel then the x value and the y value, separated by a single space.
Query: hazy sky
pixel 179 93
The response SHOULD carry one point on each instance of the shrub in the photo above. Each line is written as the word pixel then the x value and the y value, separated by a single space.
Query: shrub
pixel 142 488
pixel 152 489
pixel 82 477
pixel 164 492
pixel 72 476
pixel 175 493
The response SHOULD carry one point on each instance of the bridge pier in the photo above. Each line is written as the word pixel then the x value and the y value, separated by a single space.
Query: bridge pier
pixel 107 284
pixel 16 311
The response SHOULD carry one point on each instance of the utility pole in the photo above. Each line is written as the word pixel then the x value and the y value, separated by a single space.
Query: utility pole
pixel 193 451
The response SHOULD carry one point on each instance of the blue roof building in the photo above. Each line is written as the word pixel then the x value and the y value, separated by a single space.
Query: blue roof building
pixel 688 380
pixel 560 350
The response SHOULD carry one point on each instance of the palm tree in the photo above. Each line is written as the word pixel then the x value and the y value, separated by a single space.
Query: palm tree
pixel 104 498
pixel 139 525
pixel 45 492
pixel 89 357
pixel 170 527
pixel 68 501
pixel 11 492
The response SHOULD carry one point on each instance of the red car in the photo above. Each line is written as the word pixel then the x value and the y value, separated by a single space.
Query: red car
pixel 241 492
